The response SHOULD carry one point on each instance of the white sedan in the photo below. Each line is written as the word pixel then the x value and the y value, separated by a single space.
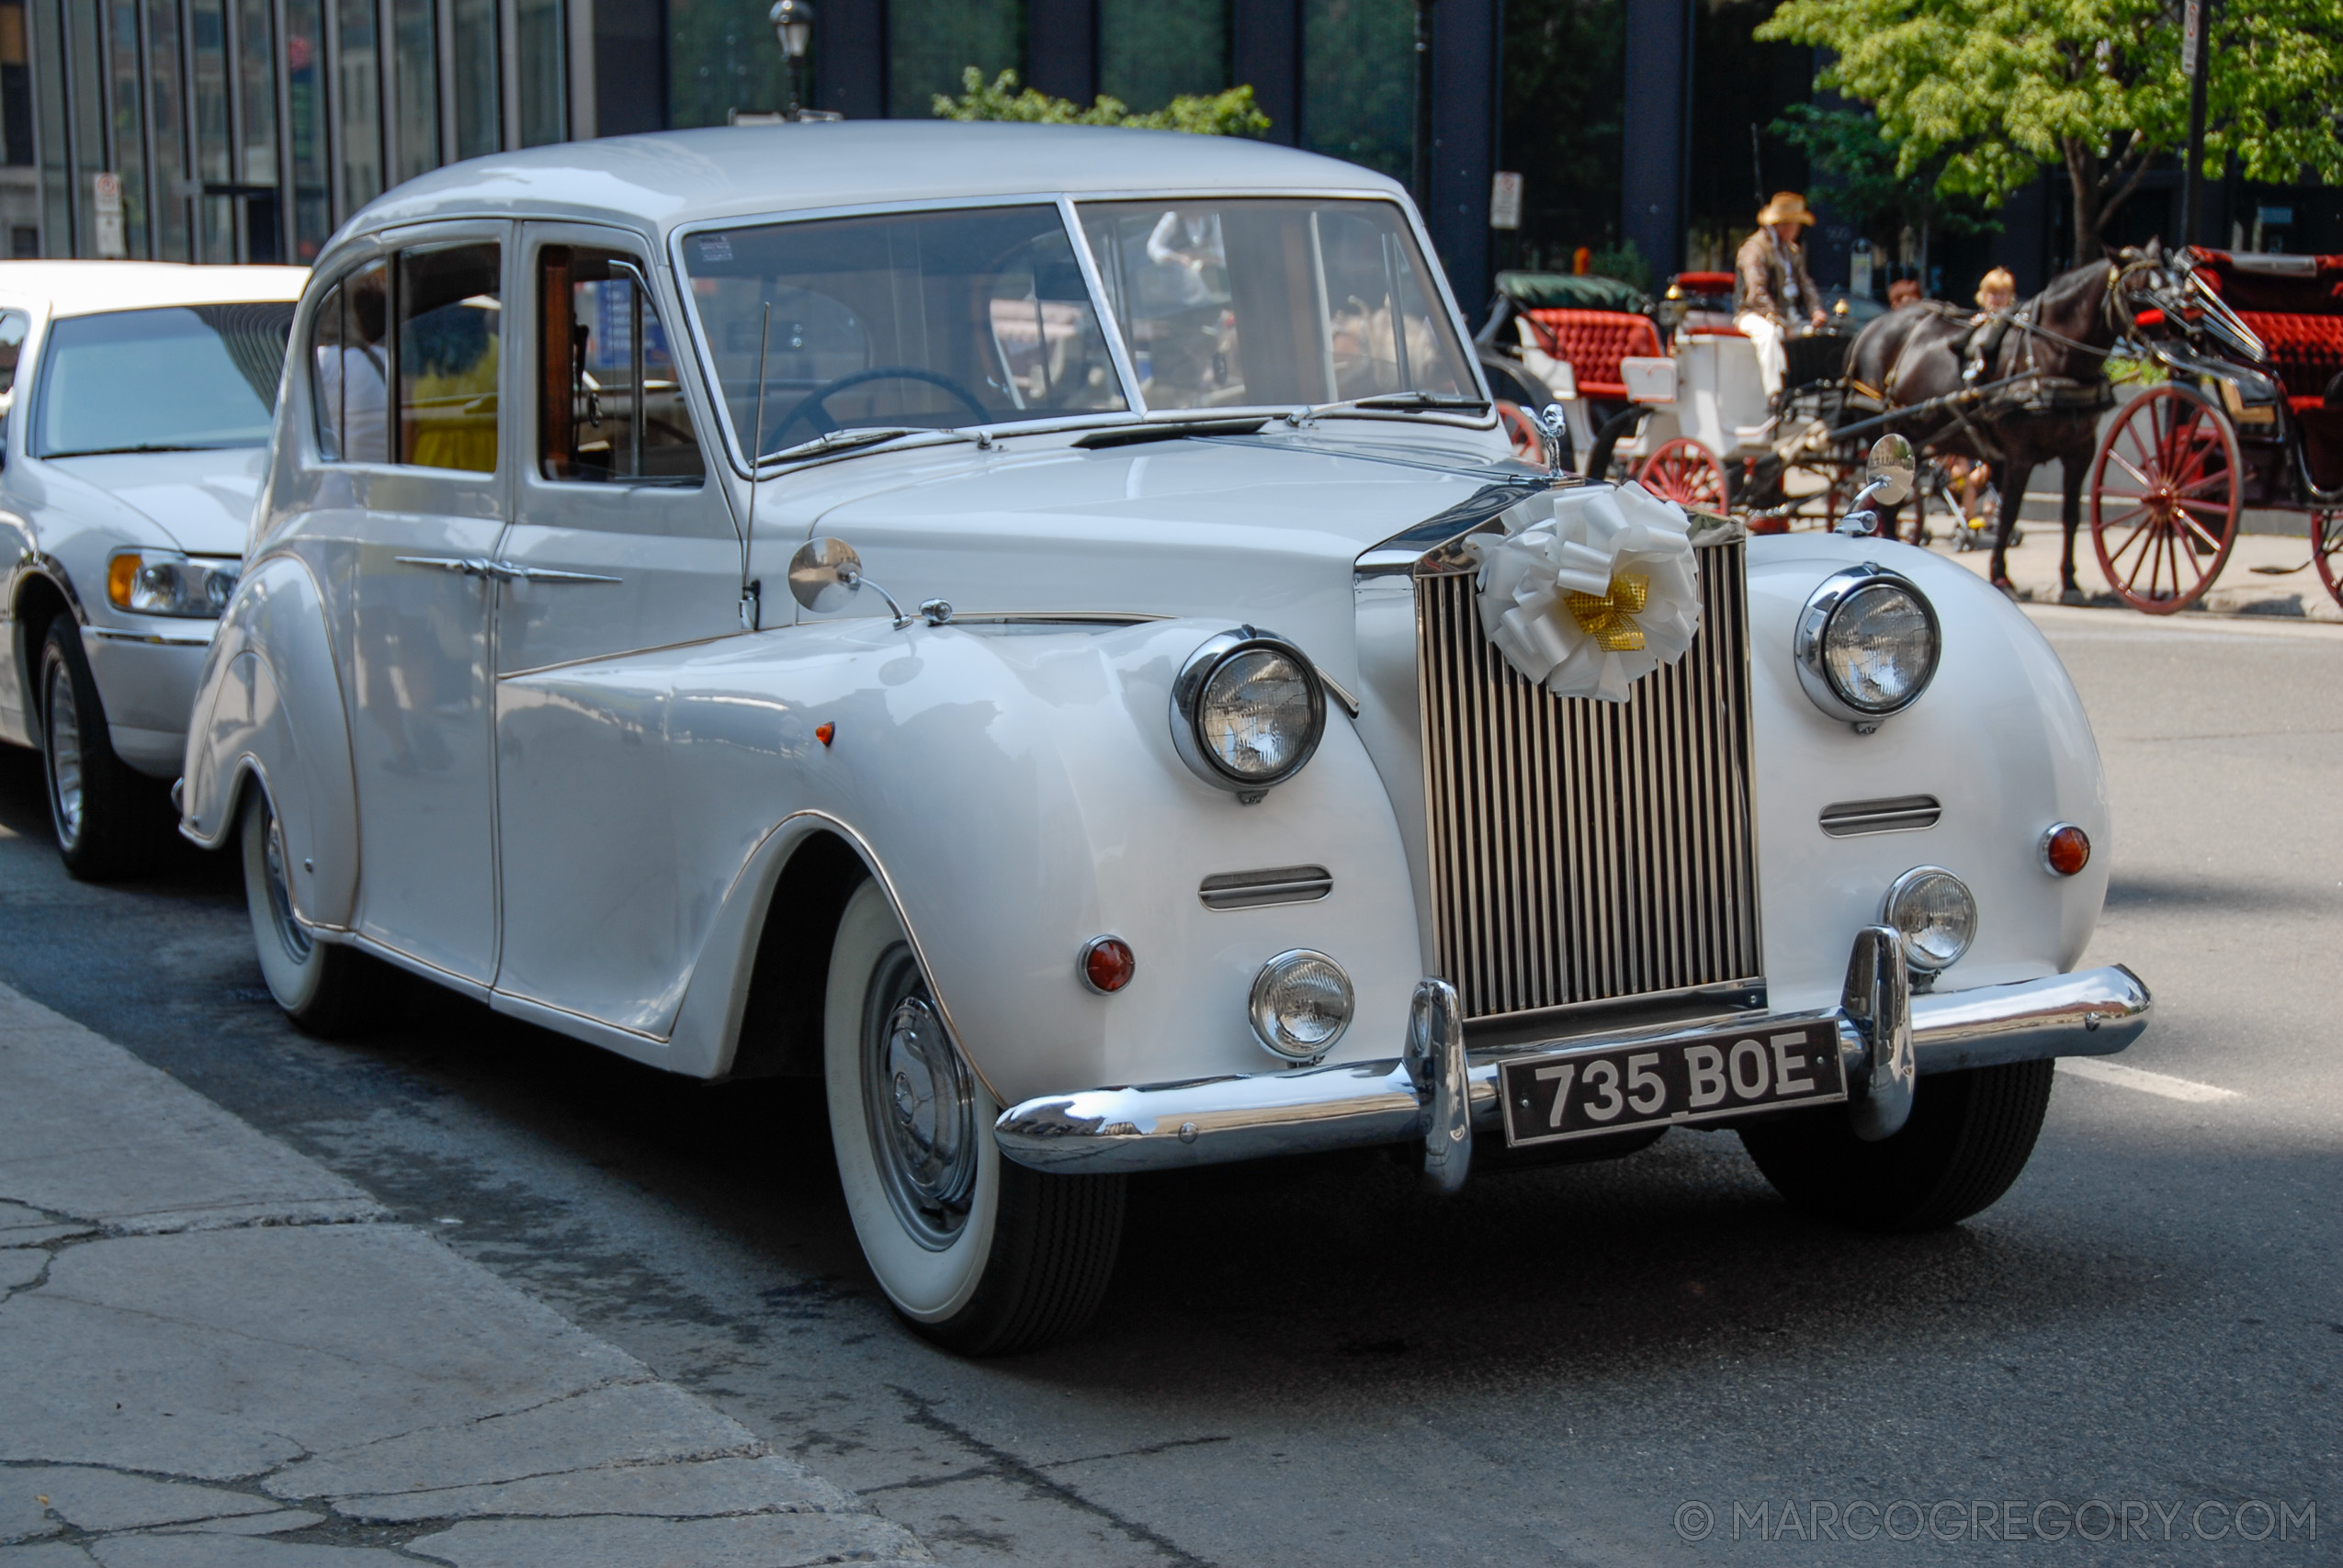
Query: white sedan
pixel 138 400
pixel 1039 629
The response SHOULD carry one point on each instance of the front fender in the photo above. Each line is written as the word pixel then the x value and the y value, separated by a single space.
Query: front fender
pixel 1019 789
pixel 269 702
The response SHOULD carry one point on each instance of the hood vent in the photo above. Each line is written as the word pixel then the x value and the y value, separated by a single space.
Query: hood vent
pixel 1897 814
pixel 1278 885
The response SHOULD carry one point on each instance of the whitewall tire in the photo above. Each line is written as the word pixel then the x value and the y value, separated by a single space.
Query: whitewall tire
pixel 976 1252
pixel 327 989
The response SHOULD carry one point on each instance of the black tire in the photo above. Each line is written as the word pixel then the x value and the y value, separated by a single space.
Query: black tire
pixel 974 1251
pixel 107 818
pixel 1970 1135
pixel 329 990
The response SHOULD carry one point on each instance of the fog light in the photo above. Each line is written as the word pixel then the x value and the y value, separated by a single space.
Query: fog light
pixel 2066 848
pixel 1301 1004
pixel 1937 914
pixel 1107 965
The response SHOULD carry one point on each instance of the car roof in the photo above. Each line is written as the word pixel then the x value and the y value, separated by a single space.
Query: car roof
pixel 84 288
pixel 657 181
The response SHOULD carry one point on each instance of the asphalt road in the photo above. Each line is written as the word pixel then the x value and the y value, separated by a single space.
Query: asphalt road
pixel 1313 1364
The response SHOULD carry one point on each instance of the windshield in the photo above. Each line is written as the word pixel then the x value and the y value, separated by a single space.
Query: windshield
pixel 1272 302
pixel 924 320
pixel 188 378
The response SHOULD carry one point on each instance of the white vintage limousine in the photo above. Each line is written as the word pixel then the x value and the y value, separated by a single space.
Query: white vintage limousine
pixel 1040 628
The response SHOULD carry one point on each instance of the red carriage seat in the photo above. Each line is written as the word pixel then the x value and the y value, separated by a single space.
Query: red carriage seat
pixel 1705 282
pixel 2295 306
pixel 1592 342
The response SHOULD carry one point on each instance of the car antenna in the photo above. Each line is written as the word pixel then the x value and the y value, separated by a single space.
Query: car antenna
pixel 753 589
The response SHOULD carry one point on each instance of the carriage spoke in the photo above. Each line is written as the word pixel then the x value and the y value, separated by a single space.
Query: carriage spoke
pixel 2146 482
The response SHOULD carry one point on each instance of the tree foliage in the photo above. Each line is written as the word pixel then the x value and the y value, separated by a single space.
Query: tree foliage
pixel 1232 113
pixel 1997 89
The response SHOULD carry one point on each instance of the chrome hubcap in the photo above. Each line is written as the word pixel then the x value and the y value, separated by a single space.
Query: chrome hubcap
pixel 280 896
pixel 921 1100
pixel 64 754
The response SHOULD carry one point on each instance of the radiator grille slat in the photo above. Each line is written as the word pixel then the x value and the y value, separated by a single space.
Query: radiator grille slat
pixel 1582 850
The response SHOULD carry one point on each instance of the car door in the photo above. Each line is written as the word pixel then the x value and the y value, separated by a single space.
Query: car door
pixel 18 546
pixel 406 516
pixel 622 544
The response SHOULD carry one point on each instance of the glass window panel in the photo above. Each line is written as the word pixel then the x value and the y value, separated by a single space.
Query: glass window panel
pixel 353 360
pixel 185 378
pixel 359 102
pixel 613 406
pixel 15 85
pixel 415 41
pixel 721 56
pixel 479 122
pixel 449 316
pixel 1151 51
pixel 86 103
pixel 305 102
pixel 168 118
pixel 214 145
pixel 1272 302
pixel 931 320
pixel 930 42
pixel 14 325
pixel 544 101
pixel 1359 82
pixel 256 51
pixel 130 145
pixel 56 178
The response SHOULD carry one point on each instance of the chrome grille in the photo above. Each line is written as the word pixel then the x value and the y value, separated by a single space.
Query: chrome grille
pixel 1583 850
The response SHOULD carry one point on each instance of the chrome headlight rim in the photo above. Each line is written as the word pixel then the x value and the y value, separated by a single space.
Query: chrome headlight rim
pixel 1810 644
pixel 1258 1010
pixel 1187 709
pixel 1916 957
pixel 171 585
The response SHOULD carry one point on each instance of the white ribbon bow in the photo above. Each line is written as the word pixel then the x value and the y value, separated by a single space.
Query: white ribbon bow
pixel 1590 588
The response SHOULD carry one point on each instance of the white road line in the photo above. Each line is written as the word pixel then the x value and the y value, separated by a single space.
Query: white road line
pixel 2146 1082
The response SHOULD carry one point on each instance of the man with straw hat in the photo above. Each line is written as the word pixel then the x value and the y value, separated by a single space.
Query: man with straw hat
pixel 1772 290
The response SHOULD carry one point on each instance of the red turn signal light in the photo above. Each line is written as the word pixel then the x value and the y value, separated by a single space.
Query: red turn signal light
pixel 2066 849
pixel 1107 965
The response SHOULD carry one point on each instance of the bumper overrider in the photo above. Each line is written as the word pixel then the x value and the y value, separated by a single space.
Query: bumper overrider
pixel 1438 1095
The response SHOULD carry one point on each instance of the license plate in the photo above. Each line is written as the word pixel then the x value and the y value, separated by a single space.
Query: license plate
pixel 1580 1094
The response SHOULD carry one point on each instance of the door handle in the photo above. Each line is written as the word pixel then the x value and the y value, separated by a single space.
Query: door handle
pixel 469 566
pixel 509 572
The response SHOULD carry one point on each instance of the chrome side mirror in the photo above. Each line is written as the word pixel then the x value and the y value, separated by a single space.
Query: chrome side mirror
pixel 826 573
pixel 1892 469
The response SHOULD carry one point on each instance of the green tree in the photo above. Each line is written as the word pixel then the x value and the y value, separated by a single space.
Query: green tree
pixel 1998 89
pixel 1232 113
pixel 1867 191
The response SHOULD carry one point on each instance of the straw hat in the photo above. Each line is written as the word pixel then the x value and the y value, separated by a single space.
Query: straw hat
pixel 1787 207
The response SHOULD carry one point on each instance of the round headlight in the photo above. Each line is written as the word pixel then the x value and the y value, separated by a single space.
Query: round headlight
pixel 1247 711
pixel 1936 913
pixel 1867 645
pixel 1301 1004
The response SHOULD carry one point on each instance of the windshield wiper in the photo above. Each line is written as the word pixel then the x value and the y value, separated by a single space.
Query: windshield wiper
pixel 140 446
pixel 1394 402
pixel 849 440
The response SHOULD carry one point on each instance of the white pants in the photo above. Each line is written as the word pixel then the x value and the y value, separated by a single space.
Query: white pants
pixel 1767 334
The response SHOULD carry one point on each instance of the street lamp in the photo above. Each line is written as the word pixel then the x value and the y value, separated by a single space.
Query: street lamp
pixel 793 25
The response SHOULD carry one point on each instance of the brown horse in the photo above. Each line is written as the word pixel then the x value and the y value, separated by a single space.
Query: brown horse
pixel 2063 334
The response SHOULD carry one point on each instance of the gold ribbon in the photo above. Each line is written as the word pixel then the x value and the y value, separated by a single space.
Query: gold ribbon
pixel 1609 619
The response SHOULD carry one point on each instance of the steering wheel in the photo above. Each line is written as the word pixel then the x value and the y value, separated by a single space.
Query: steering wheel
pixel 809 410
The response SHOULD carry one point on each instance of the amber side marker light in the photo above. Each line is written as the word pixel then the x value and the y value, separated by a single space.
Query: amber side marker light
pixel 2066 848
pixel 825 733
pixel 1107 965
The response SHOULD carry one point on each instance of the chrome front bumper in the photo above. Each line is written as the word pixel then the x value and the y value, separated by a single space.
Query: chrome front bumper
pixel 1441 1095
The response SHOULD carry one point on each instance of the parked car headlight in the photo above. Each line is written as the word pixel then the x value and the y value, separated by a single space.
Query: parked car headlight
pixel 1247 711
pixel 1937 914
pixel 1301 1004
pixel 1867 645
pixel 165 583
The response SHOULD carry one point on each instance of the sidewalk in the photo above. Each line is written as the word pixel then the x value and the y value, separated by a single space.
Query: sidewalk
pixel 214 1353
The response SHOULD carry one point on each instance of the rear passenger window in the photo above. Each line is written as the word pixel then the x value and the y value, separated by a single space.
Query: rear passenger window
pixel 353 360
pixel 611 407
pixel 448 308
pixel 14 325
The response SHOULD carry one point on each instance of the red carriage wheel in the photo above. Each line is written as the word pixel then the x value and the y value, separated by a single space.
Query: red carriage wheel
pixel 2164 499
pixel 1685 472
pixel 2326 550
pixel 1528 443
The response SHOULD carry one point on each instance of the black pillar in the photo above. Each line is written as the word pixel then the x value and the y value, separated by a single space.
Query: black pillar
pixel 1465 99
pixel 1659 55
pixel 630 66
pixel 1265 53
pixel 1061 48
pixel 850 58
